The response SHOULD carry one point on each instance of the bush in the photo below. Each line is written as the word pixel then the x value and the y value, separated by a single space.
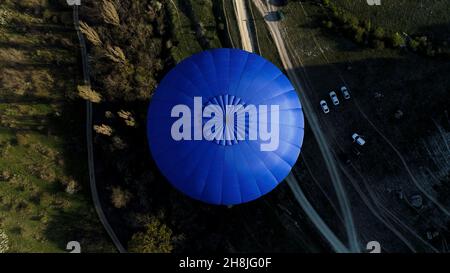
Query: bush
pixel 119 197
pixel 109 13
pixel 397 40
pixel 22 139
pixel 362 31
pixel 86 92
pixel 46 174
pixel 379 33
pixel 103 129
pixel 90 33
pixel 359 34
pixel 353 21
pixel 5 175
pixel 157 238
pixel 414 44
pixel 72 187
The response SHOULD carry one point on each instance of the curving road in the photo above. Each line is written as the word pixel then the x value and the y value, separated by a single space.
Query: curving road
pixel 90 146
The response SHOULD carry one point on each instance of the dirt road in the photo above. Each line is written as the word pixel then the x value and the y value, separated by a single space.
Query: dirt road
pixel 328 156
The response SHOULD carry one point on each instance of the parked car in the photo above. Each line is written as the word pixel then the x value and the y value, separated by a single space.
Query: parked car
pixel 345 92
pixel 358 139
pixel 324 106
pixel 334 98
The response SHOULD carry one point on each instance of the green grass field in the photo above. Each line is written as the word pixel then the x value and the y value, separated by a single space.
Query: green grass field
pixel 44 199
pixel 194 27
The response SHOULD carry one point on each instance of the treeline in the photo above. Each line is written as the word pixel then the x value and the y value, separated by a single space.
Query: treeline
pixel 364 33
pixel 127 42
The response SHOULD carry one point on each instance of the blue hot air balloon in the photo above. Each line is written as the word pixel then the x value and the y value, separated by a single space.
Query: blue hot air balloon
pixel 225 126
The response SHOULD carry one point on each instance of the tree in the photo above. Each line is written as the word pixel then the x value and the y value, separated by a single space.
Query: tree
pixel 157 5
pixel 109 13
pixel 86 92
pixel 353 21
pixel 398 40
pixel 72 186
pixel 115 54
pixel 359 34
pixel 379 33
pixel 127 117
pixel 157 238
pixel 414 44
pixel 90 34
pixel 119 197
pixel 103 129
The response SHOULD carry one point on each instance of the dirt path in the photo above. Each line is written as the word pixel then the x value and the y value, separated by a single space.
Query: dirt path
pixel 248 45
pixel 325 150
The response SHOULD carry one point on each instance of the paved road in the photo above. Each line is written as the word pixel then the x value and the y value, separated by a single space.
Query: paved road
pixel 327 154
pixel 244 25
pixel 90 146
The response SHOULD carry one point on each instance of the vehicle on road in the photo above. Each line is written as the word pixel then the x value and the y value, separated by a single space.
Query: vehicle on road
pixel 345 92
pixel 358 139
pixel 274 16
pixel 334 98
pixel 324 106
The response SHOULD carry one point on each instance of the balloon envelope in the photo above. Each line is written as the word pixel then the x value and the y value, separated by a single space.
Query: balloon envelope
pixel 224 164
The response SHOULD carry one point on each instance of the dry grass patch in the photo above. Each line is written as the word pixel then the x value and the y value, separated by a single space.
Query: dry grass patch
pixel 13 82
pixel 12 55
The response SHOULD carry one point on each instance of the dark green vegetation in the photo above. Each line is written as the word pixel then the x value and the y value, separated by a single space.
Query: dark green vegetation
pixel 410 16
pixel 419 27
pixel 44 195
pixel 156 238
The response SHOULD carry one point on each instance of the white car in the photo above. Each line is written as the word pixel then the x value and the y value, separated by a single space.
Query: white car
pixel 324 106
pixel 345 92
pixel 358 139
pixel 334 98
